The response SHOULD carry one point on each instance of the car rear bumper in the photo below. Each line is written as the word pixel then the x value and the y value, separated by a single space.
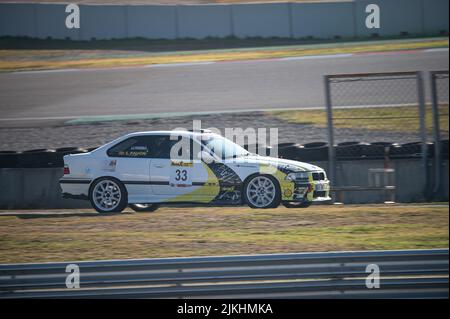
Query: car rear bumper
pixel 74 188
pixel 71 196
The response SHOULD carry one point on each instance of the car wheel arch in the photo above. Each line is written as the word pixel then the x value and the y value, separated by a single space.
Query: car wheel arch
pixel 107 177
pixel 251 176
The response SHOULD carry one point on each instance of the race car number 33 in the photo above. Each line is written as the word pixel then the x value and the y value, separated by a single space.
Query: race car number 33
pixel 180 176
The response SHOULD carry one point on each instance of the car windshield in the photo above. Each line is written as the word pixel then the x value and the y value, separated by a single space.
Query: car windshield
pixel 223 148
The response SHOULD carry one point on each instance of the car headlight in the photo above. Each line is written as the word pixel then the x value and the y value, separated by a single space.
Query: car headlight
pixel 297 176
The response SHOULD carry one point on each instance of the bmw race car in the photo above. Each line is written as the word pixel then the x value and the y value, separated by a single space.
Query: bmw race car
pixel 146 169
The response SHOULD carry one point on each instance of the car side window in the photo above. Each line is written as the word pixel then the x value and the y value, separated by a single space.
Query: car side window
pixel 163 147
pixel 184 152
pixel 134 147
pixel 151 146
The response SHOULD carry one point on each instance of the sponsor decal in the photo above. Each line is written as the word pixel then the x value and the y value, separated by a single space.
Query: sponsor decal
pixel 287 193
pixel 109 165
pixel 182 164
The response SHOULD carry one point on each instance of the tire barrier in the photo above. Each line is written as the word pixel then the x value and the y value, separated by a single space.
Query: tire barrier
pixel 444 149
pixel 350 150
pixel 286 145
pixel 377 150
pixel 38 158
pixel 289 151
pixel 260 149
pixel 9 159
pixel 315 151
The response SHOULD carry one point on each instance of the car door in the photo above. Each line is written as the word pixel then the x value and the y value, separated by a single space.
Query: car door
pixel 181 179
pixel 129 161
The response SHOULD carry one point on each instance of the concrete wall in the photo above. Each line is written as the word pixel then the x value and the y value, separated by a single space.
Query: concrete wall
pixel 409 179
pixel 49 20
pixel 344 19
pixel 19 20
pixel 396 16
pixel 435 15
pixel 310 20
pixel 200 22
pixel 34 188
pixel 152 22
pixel 39 188
pixel 261 20
pixel 103 22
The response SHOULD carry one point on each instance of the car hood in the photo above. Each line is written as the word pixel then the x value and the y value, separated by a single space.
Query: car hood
pixel 295 166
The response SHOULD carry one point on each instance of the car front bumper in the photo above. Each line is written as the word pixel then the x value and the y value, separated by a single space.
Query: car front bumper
pixel 313 191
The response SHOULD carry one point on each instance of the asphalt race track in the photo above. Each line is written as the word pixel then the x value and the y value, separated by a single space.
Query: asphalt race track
pixel 47 98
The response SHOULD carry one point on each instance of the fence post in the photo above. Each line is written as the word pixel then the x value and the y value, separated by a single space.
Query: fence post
pixel 436 135
pixel 423 133
pixel 331 157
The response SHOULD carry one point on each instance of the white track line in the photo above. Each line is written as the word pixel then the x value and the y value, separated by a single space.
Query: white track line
pixel 169 65
pixel 311 57
pixel 436 50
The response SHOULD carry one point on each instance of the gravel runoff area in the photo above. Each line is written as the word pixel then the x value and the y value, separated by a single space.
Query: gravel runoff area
pixel 96 134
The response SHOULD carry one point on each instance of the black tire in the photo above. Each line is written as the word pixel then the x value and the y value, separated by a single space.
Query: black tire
pixel 316 151
pixel 144 207
pixel 297 205
pixel 118 205
pixel 39 158
pixel 9 159
pixel 276 201
pixel 350 150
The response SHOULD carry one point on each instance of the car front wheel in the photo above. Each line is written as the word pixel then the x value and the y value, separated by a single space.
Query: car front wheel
pixel 108 195
pixel 262 191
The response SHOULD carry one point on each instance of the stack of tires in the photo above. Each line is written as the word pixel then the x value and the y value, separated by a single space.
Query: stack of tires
pixel 350 150
pixel 354 150
pixel 37 158
pixel 316 151
pixel 260 149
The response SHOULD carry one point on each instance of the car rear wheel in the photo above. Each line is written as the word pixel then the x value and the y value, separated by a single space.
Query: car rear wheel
pixel 262 191
pixel 144 207
pixel 108 195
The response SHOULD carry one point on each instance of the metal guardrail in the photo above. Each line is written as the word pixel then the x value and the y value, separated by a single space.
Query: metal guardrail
pixel 403 274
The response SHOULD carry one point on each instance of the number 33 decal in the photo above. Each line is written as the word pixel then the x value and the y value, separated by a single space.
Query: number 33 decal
pixel 181 175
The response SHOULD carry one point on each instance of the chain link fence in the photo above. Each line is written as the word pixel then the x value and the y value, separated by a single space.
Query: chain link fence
pixel 387 109
pixel 385 116
pixel 381 109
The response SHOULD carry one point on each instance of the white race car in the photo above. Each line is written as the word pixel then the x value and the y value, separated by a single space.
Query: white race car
pixel 142 170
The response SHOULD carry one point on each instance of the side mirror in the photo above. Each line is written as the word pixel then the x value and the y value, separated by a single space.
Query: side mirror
pixel 206 157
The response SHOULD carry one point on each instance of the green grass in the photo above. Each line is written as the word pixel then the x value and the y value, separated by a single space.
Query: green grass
pixel 396 119
pixel 32 54
pixel 170 232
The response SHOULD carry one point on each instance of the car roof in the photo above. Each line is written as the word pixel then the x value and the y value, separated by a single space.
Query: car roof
pixel 177 132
